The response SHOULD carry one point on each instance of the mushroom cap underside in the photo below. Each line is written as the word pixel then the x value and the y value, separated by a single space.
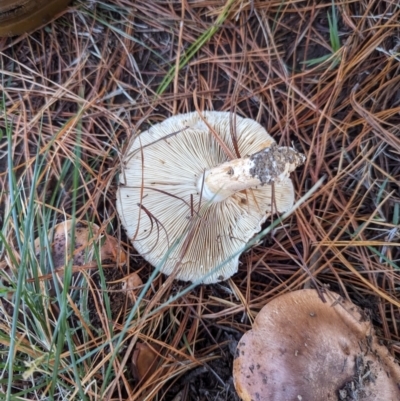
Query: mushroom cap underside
pixel 301 348
pixel 162 210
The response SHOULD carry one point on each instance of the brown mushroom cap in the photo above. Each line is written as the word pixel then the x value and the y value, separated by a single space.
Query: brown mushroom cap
pixel 302 349
pixel 86 236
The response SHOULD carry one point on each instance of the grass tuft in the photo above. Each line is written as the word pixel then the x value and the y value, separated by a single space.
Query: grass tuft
pixel 334 42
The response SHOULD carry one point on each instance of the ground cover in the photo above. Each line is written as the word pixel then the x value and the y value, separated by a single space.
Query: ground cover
pixel 321 75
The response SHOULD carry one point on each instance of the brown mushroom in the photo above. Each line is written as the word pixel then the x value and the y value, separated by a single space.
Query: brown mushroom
pixel 87 237
pixel 301 348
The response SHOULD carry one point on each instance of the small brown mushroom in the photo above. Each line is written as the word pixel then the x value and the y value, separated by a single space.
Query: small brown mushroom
pixel 87 238
pixel 304 349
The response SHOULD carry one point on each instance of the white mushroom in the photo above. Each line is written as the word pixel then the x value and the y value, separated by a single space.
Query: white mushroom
pixel 186 207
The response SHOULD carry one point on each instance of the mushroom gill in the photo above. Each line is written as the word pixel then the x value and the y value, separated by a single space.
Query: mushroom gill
pixel 188 205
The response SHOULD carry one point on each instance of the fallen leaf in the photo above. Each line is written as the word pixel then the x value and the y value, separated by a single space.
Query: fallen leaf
pixel 144 360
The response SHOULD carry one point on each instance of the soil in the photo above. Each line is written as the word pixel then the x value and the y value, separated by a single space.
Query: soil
pixel 213 381
pixel 119 301
pixel 355 389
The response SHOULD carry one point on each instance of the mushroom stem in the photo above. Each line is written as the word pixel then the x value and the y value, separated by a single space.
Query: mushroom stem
pixel 272 164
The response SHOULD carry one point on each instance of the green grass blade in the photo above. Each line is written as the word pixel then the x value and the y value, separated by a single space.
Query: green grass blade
pixel 333 29
pixel 195 47
pixel 23 265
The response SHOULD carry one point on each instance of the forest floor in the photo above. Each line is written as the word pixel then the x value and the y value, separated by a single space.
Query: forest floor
pixel 323 76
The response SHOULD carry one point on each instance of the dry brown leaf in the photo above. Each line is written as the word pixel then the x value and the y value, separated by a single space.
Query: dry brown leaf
pixel 144 361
